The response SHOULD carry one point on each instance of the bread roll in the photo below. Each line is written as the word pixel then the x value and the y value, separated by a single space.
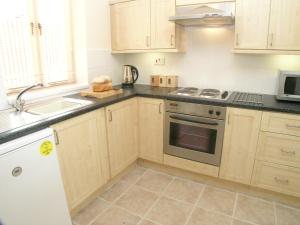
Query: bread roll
pixel 102 87
pixel 101 80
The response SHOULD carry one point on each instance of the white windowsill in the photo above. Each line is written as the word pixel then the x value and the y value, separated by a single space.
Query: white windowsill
pixel 48 93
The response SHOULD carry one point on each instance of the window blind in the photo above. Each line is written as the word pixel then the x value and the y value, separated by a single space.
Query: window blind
pixel 35 43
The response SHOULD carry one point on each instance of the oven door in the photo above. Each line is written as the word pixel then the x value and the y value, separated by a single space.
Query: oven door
pixel 194 138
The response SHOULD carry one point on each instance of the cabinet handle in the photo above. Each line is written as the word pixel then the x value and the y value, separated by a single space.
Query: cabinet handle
pixel 40 28
pixel 148 41
pixel 56 138
pixel 110 116
pixel 159 108
pixel 237 43
pixel 293 126
pixel 288 152
pixel 172 40
pixel 281 181
pixel 272 36
pixel 32 28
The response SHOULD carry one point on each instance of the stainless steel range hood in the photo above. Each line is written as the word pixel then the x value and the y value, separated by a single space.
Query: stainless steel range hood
pixel 212 14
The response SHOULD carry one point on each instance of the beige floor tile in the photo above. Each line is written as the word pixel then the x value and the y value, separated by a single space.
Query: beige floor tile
pixel 203 217
pixel 134 175
pixel 184 190
pixel 154 181
pixel 287 216
pixel 255 210
pixel 238 222
pixel 169 212
pixel 116 216
pixel 85 216
pixel 147 222
pixel 137 200
pixel 115 191
pixel 217 199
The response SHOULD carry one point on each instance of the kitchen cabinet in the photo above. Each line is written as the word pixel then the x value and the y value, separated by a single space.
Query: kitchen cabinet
pixel 130 25
pixel 122 133
pixel 284 32
pixel 82 154
pixel 144 26
pixel 240 142
pixel 252 24
pixel 267 26
pixel 151 126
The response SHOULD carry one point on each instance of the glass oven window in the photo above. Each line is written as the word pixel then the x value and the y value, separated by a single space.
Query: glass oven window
pixel 192 137
pixel 292 86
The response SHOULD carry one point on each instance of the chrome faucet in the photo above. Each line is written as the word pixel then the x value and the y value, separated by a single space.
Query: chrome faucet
pixel 19 104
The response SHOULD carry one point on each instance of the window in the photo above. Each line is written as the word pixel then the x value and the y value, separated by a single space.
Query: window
pixel 35 43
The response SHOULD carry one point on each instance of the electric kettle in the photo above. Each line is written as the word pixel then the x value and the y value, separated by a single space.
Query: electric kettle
pixel 130 75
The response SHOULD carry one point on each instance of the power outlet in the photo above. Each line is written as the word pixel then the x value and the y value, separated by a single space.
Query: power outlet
pixel 159 61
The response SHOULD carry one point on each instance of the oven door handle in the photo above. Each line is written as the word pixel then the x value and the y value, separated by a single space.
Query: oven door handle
pixel 193 120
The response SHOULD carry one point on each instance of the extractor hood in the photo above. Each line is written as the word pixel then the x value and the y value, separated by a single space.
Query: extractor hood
pixel 211 14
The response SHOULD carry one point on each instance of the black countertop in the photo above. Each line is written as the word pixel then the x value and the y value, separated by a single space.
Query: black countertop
pixel 10 130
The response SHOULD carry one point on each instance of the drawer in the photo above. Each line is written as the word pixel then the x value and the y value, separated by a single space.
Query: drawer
pixel 276 177
pixel 281 123
pixel 279 148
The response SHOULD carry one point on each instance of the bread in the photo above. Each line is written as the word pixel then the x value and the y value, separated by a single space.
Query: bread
pixel 102 87
pixel 101 80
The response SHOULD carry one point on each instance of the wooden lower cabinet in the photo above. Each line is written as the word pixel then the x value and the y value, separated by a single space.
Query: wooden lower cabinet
pixel 82 154
pixel 240 142
pixel 122 133
pixel 151 126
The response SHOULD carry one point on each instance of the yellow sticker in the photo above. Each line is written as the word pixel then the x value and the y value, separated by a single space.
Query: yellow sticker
pixel 46 148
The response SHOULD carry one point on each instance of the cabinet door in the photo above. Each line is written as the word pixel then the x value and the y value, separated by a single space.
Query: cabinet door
pixel 122 135
pixel 151 118
pixel 130 25
pixel 82 152
pixel 252 24
pixel 163 31
pixel 239 147
pixel 284 31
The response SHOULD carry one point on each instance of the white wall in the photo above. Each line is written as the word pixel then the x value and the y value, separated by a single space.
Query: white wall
pixel 100 59
pixel 209 62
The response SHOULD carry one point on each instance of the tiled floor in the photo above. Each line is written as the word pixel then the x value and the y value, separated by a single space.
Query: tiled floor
pixel 148 197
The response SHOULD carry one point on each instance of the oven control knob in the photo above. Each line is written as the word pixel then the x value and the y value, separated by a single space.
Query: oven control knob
pixel 218 113
pixel 211 111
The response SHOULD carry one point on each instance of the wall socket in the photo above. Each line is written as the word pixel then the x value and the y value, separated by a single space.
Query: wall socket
pixel 159 61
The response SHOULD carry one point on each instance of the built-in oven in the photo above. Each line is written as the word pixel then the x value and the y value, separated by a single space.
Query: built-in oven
pixel 194 131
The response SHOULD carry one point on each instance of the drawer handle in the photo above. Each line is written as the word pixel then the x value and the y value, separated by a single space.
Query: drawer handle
pixel 281 181
pixel 288 152
pixel 293 126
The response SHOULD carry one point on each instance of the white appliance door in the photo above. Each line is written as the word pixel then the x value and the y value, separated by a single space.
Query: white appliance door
pixel 31 189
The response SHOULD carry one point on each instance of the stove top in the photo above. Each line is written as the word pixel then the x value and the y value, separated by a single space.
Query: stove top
pixel 193 92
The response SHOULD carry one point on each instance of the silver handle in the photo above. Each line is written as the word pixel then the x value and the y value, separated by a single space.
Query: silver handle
pixel 293 126
pixel 281 181
pixel 194 120
pixel 271 42
pixel 172 39
pixel 148 41
pixel 159 109
pixel 110 115
pixel 237 39
pixel 288 152
pixel 32 28
pixel 40 28
pixel 56 138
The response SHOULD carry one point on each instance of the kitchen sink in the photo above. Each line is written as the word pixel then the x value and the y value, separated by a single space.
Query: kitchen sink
pixel 57 106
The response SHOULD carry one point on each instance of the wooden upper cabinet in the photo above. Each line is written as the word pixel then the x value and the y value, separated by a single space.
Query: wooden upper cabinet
pixel 83 156
pixel 130 25
pixel 151 126
pixel 252 24
pixel 284 33
pixel 240 142
pixel 163 31
pixel 122 132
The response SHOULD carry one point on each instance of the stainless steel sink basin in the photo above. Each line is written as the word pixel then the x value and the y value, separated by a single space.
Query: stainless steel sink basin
pixel 57 106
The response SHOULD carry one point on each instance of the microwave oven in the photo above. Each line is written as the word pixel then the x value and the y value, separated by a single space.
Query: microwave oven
pixel 289 86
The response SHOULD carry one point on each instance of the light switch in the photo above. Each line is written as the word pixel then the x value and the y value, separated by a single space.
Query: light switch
pixel 159 61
